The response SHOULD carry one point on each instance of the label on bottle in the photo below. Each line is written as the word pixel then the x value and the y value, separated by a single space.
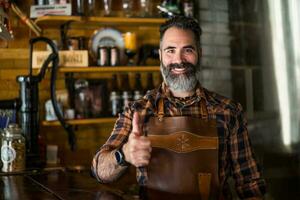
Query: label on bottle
pixel 8 154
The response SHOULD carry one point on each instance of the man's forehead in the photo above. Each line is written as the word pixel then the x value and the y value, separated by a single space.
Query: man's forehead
pixel 176 36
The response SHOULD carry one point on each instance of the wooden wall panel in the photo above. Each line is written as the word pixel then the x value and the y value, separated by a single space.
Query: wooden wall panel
pixel 89 140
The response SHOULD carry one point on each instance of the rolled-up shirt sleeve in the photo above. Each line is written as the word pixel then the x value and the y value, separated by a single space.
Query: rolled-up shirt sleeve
pixel 118 137
pixel 245 169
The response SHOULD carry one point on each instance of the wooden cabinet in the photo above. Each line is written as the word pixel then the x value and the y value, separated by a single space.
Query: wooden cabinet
pixel 147 30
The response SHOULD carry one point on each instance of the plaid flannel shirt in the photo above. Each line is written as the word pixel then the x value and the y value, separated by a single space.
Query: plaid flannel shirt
pixel 236 157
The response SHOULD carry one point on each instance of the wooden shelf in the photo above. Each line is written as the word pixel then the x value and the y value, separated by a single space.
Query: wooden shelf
pixel 81 121
pixel 56 20
pixel 127 21
pixel 59 20
pixel 110 69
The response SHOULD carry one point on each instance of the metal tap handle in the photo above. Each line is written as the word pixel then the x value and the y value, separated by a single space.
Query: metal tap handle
pixel 54 58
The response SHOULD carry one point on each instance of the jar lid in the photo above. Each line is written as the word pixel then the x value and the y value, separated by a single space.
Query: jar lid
pixel 12 129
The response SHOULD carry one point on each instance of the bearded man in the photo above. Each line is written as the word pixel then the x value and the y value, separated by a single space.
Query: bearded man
pixel 182 138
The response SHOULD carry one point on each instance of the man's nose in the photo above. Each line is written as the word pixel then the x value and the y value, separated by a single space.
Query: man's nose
pixel 178 57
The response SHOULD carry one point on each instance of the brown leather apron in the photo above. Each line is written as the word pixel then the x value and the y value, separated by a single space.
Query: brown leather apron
pixel 184 158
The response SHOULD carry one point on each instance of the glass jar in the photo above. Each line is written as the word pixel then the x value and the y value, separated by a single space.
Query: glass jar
pixel 82 99
pixel 13 149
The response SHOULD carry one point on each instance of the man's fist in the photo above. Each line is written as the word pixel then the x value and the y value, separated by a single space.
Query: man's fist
pixel 137 150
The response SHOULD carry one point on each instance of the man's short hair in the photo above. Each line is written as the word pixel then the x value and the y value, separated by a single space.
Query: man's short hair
pixel 185 23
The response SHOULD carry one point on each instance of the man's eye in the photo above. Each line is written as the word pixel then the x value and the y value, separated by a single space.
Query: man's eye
pixel 170 51
pixel 189 50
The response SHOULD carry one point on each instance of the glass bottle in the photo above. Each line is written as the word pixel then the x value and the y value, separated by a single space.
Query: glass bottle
pixel 40 2
pixel 82 99
pixel 127 6
pixel 91 7
pixel 170 8
pixel 126 93
pixel 114 97
pixel 13 149
pixel 107 7
pixel 145 8
pixel 150 84
pixel 80 7
pixel 188 7
pixel 138 88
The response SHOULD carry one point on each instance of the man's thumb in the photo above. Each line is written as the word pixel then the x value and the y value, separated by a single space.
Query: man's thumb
pixel 136 124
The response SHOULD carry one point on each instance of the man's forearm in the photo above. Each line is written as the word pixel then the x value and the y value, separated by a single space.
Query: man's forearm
pixel 105 167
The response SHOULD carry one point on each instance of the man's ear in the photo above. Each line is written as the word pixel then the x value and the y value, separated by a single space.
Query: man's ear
pixel 159 53
pixel 199 53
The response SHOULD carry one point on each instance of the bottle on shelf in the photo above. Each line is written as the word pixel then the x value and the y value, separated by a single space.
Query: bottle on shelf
pixel 169 8
pixel 40 2
pixel 150 84
pixel 127 7
pixel 145 8
pixel 107 7
pixel 138 88
pixel 78 7
pixel 91 5
pixel 130 40
pixel 188 8
pixel 114 97
pixel 51 2
pixel 82 99
pixel 126 92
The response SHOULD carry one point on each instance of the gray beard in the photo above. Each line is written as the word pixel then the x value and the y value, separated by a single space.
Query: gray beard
pixel 182 82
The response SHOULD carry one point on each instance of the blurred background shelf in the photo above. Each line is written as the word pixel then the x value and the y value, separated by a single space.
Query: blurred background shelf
pixel 110 69
pixel 81 121
pixel 59 20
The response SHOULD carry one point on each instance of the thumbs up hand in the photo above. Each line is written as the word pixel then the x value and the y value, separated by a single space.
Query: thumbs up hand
pixel 137 150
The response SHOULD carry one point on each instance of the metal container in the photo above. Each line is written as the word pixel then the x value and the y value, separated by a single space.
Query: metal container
pixel 103 56
pixel 114 56
pixel 13 149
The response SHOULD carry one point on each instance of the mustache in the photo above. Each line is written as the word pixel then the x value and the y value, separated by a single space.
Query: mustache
pixel 186 65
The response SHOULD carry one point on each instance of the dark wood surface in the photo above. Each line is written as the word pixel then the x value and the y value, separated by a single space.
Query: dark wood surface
pixel 58 184
pixel 62 184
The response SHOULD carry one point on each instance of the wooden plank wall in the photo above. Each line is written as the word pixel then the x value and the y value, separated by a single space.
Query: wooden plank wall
pixel 14 61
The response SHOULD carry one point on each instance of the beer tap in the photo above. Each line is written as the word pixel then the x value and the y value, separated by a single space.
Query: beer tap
pixel 28 101
pixel 29 96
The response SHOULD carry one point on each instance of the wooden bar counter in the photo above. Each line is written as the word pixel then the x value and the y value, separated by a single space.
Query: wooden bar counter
pixel 63 184
pixel 57 184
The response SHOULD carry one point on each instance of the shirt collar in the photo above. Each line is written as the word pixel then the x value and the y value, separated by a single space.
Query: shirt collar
pixel 165 92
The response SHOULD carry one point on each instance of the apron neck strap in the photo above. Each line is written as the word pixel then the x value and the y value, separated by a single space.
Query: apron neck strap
pixel 161 112
pixel 203 109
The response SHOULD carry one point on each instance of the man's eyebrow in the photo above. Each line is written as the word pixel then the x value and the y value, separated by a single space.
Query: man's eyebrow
pixel 185 47
pixel 189 46
pixel 169 47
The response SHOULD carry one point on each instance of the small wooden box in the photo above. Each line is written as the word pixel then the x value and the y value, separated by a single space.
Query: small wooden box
pixel 74 58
